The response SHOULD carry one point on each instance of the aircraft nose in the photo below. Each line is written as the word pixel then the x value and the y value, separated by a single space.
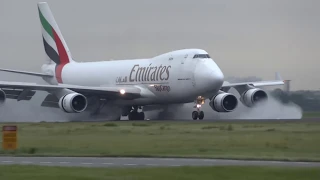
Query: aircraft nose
pixel 209 77
pixel 216 77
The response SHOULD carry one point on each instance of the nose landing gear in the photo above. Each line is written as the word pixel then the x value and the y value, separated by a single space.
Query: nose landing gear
pixel 198 114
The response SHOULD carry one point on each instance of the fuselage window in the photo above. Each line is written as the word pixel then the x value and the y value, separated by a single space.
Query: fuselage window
pixel 201 56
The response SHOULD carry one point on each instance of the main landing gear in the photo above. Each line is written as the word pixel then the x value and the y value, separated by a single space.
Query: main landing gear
pixel 98 106
pixel 198 114
pixel 135 115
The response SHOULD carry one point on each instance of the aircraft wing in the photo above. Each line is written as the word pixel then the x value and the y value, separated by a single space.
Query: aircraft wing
pixel 256 84
pixel 112 92
pixel 278 81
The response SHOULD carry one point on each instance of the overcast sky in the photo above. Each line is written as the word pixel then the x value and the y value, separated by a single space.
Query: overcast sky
pixel 245 38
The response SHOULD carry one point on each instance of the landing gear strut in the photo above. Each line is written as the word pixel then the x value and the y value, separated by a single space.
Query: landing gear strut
pixel 198 113
pixel 98 108
pixel 135 115
pixel 112 111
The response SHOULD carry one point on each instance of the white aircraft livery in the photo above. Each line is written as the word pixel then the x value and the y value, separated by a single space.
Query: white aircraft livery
pixel 177 77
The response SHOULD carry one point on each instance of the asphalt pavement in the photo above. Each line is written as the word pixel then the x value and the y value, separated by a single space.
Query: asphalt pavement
pixel 142 162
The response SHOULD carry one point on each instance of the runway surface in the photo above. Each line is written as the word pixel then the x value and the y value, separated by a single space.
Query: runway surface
pixel 142 162
pixel 209 120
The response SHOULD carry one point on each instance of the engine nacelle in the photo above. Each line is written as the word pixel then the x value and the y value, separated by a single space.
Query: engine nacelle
pixel 2 96
pixel 224 102
pixel 73 103
pixel 252 96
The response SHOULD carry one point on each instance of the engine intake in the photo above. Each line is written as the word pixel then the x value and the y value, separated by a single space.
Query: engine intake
pixel 224 102
pixel 253 96
pixel 2 96
pixel 73 103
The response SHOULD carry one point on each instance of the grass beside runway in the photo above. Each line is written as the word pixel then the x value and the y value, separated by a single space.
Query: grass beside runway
pixel 16 172
pixel 238 140
pixel 311 114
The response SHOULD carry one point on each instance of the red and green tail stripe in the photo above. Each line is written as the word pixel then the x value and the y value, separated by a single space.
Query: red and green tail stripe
pixel 61 57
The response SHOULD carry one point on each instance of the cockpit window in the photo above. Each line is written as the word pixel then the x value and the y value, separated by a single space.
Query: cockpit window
pixel 201 56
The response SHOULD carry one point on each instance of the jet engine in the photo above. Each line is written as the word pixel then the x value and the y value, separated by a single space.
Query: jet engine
pixel 73 103
pixel 252 96
pixel 2 96
pixel 224 102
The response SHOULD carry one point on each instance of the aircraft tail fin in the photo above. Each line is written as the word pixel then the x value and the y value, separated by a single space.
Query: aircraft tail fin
pixel 55 46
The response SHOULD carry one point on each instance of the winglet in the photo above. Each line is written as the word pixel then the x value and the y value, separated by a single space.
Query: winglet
pixel 278 76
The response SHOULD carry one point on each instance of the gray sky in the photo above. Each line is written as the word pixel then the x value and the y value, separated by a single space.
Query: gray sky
pixel 245 38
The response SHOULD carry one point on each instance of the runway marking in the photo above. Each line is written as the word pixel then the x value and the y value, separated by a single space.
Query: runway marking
pixel 107 163
pixel 7 161
pixel 64 162
pixel 86 163
pixel 130 164
pixel 151 164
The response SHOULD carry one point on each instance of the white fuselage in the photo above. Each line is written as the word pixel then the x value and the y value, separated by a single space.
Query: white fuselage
pixel 175 77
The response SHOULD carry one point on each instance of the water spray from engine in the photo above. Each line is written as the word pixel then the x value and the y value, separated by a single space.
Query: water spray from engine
pixel 271 109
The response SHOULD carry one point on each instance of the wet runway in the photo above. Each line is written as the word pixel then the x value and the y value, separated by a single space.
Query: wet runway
pixel 220 120
pixel 142 162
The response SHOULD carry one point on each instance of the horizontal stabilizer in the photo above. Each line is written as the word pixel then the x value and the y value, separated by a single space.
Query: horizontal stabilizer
pixel 26 72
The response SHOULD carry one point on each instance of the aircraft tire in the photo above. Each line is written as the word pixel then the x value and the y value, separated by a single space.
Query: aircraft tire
pixel 136 116
pixel 132 116
pixel 195 115
pixel 141 116
pixel 201 115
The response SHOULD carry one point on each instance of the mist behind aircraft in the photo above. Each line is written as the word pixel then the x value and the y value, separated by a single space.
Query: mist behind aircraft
pixel 244 37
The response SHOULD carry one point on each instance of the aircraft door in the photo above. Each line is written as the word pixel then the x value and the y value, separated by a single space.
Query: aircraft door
pixel 187 70
pixel 184 59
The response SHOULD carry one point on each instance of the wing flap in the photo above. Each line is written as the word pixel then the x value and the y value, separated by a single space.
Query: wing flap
pixel 19 94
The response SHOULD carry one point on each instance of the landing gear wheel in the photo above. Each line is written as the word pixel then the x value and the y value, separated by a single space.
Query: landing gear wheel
pixel 132 115
pixel 141 116
pixel 198 113
pixel 195 115
pixel 136 116
pixel 201 115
